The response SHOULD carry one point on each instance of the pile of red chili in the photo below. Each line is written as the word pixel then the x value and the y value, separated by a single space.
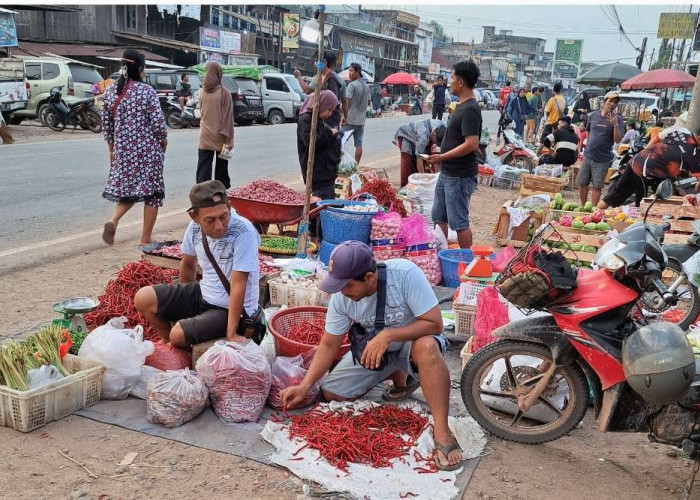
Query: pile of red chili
pixel 385 194
pixel 308 332
pixel 375 436
pixel 118 297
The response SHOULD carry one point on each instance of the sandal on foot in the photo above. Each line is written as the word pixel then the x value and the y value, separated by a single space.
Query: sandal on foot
pixel 446 450
pixel 394 393
pixel 108 233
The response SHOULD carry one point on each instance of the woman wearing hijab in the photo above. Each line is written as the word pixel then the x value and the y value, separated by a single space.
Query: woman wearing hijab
pixel 581 108
pixel 327 155
pixel 519 109
pixel 135 131
pixel 215 127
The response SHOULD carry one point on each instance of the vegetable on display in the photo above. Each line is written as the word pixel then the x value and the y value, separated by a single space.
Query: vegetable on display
pixel 268 191
pixel 385 195
pixel 277 242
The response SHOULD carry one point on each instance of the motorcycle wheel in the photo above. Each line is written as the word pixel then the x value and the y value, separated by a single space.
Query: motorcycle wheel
pixel 174 120
pixel 53 121
pixel 521 364
pixel 41 114
pixel 684 313
pixel 93 121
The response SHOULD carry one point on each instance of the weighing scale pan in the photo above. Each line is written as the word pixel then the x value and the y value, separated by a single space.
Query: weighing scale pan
pixel 77 305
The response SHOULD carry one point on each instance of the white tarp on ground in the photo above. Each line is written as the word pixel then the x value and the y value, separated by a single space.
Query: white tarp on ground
pixel 385 483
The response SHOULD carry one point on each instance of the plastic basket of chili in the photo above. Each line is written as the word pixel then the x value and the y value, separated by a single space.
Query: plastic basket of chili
pixel 305 322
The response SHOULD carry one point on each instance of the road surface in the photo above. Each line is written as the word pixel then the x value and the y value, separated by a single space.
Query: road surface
pixel 51 190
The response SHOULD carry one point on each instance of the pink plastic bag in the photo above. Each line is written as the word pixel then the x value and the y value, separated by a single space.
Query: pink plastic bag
pixel 386 226
pixel 167 357
pixel 288 372
pixel 503 258
pixel 415 231
pixel 491 313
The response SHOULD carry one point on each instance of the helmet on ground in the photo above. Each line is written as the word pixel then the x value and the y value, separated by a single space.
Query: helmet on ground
pixel 658 362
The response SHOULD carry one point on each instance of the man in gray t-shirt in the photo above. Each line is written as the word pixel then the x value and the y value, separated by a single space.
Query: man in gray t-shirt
pixel 356 99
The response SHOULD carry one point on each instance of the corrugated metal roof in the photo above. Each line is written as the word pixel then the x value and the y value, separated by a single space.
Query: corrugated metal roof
pixel 77 50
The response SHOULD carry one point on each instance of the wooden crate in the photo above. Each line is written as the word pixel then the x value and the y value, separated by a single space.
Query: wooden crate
pixel 575 237
pixel 519 234
pixel 539 184
pixel 675 207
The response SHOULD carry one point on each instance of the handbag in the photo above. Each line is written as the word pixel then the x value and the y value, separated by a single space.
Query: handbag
pixel 252 327
pixel 360 336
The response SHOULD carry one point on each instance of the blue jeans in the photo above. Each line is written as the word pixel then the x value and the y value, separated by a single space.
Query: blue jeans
pixel 451 203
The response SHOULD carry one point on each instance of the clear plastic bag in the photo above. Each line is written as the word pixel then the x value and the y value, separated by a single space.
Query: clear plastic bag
pixel 43 375
pixel 122 350
pixel 140 390
pixel 175 397
pixel 238 378
pixel 288 372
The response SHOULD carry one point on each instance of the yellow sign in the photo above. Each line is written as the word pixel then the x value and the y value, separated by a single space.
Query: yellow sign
pixel 510 73
pixel 290 31
pixel 676 26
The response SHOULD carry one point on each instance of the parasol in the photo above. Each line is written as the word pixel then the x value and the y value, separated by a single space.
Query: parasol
pixel 659 79
pixel 609 75
pixel 401 78
pixel 346 76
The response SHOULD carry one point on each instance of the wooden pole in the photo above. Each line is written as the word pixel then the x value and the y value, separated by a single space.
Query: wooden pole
pixel 303 239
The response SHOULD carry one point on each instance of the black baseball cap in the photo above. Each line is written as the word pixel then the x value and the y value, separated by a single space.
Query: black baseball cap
pixel 207 194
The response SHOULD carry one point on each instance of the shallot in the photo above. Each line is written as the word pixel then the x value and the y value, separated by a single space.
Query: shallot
pixel 266 267
pixel 386 226
pixel 268 191
pixel 174 251
pixel 428 262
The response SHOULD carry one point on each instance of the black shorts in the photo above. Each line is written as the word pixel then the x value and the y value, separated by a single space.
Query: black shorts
pixel 199 320
pixel 627 184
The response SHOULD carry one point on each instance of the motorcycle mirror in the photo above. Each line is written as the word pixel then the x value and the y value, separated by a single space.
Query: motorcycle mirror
pixel 665 190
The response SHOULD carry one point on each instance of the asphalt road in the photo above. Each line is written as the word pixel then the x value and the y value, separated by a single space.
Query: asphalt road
pixel 52 190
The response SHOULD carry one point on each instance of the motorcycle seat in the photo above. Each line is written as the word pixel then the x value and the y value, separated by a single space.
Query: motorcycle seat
pixel 81 101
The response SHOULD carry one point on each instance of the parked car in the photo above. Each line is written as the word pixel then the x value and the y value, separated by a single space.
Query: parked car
pixel 13 89
pixel 167 81
pixel 44 73
pixel 638 105
pixel 282 97
pixel 247 100
pixel 489 98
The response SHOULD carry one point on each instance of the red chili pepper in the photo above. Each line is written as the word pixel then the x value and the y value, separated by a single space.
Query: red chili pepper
pixel 407 494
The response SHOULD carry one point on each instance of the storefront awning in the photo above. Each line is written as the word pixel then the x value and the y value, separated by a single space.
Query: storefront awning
pixel 149 63
pixel 38 49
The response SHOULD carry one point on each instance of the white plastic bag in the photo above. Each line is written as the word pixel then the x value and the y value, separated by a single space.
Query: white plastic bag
pixel 122 350
pixel 347 165
pixel 175 397
pixel 288 372
pixel 420 192
pixel 140 390
pixel 238 378
pixel 43 375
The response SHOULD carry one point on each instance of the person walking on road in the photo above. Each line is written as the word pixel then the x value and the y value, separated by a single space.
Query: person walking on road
pixel 215 127
pixel 535 102
pixel 4 133
pixel 457 181
pixel 439 90
pixel 581 108
pixel 330 80
pixel 327 153
pixel 135 131
pixel 356 100
pixel 555 109
pixel 503 96
pixel 604 129
pixel 519 110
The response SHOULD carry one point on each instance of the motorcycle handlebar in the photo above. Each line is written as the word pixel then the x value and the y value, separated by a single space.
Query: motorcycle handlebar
pixel 668 297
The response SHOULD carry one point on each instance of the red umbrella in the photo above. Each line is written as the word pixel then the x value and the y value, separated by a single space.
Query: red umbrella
pixel 401 78
pixel 659 79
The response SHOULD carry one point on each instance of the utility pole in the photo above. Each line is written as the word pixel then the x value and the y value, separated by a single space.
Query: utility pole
pixel 673 53
pixel 651 59
pixel 459 25
pixel 640 57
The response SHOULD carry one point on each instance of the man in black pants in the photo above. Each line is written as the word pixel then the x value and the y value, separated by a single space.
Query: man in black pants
pixel 439 98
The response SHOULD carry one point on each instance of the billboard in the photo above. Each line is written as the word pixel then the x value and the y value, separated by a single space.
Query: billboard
pixel 290 32
pixel 567 59
pixel 230 42
pixel 364 61
pixel 209 38
pixel 8 31
pixel 425 51
pixel 676 26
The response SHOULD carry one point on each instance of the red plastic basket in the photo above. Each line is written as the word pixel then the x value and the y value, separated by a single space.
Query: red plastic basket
pixel 283 320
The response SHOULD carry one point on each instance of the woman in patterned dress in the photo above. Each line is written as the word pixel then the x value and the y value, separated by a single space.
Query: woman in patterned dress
pixel 135 131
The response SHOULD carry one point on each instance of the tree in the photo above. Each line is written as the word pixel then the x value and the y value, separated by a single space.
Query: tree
pixel 439 34
pixel 664 55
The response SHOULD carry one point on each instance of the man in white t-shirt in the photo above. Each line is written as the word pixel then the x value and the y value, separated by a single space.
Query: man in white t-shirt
pixel 412 338
pixel 207 310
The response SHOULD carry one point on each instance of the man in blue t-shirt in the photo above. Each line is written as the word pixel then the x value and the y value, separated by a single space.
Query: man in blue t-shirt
pixel 439 98
pixel 605 128
pixel 225 302
pixel 412 340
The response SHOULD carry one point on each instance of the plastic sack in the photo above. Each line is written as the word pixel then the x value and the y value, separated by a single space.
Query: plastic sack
pixel 491 313
pixel 692 269
pixel 122 350
pixel 238 378
pixel 42 375
pixel 168 357
pixel 420 193
pixel 347 165
pixel 440 239
pixel 425 256
pixel 387 249
pixel 502 258
pixel 288 372
pixel 140 390
pixel 386 226
pixel 175 398
pixel 415 231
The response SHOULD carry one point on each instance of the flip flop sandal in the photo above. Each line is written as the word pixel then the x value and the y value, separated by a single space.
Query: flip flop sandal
pixel 390 393
pixel 446 450
pixel 108 233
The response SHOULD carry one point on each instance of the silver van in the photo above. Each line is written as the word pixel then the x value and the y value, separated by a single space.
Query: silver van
pixel 282 97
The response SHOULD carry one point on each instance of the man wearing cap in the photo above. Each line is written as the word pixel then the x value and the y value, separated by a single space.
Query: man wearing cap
pixel 604 129
pixel 412 338
pixel 225 301
pixel 356 100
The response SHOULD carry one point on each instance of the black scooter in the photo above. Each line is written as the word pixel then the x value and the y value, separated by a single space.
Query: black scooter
pixel 82 113
pixel 174 117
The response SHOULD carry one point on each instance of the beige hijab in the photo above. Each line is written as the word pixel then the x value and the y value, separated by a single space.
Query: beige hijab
pixel 222 117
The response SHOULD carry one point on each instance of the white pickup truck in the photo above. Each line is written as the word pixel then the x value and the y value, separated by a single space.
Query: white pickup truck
pixel 13 87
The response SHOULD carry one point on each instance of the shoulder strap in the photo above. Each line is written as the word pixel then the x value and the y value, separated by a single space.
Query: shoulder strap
pixel 379 321
pixel 118 100
pixel 222 277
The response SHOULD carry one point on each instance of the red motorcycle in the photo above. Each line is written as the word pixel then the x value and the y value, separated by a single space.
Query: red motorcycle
pixel 514 152
pixel 602 337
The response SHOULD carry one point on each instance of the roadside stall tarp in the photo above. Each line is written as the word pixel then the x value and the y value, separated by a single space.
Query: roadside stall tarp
pixel 659 79
pixel 401 78
pixel 254 72
pixel 609 75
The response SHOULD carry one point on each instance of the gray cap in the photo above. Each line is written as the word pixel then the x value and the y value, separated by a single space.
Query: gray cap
pixel 207 194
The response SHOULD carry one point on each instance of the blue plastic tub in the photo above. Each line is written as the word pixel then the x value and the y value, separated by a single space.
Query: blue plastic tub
pixel 324 252
pixel 449 264
pixel 339 225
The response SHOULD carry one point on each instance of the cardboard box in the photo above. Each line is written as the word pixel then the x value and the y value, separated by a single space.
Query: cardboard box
pixel 519 234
